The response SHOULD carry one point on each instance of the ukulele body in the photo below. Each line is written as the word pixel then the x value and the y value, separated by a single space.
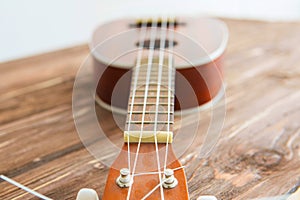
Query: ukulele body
pixel 199 45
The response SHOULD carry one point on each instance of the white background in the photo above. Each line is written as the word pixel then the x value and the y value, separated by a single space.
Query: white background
pixel 35 26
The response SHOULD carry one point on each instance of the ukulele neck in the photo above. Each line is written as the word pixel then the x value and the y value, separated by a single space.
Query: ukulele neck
pixel 150 115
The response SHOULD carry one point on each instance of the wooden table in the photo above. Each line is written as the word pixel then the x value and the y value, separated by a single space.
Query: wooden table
pixel 257 155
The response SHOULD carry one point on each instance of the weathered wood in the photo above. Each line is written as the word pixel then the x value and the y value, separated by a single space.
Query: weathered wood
pixel 257 155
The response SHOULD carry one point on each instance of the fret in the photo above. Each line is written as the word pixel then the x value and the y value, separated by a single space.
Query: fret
pixel 150 116
pixel 143 77
pixel 151 103
pixel 152 76
pixel 150 122
pixel 153 72
pixel 154 92
pixel 149 112
pixel 150 100
pixel 163 82
pixel 152 96
pixel 150 108
pixel 151 91
pixel 155 84
pixel 143 111
pixel 154 68
pixel 152 88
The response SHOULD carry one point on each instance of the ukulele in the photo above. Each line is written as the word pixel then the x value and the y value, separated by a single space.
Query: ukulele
pixel 147 167
pixel 150 70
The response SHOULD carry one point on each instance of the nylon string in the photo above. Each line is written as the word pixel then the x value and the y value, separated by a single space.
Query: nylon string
pixel 160 65
pixel 138 65
pixel 150 58
pixel 19 185
pixel 171 74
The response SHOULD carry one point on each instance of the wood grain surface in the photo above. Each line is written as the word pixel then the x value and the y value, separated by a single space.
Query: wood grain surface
pixel 258 153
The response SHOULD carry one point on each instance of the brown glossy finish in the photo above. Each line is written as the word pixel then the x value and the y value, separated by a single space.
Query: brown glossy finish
pixel 107 85
pixel 205 82
pixel 145 183
pixel 203 79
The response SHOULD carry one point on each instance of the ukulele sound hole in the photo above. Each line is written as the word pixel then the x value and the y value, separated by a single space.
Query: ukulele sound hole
pixel 146 44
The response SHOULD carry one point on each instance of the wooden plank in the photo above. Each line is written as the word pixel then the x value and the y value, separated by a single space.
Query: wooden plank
pixel 258 153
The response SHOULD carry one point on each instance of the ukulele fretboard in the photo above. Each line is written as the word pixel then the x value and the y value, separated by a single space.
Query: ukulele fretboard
pixel 151 103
